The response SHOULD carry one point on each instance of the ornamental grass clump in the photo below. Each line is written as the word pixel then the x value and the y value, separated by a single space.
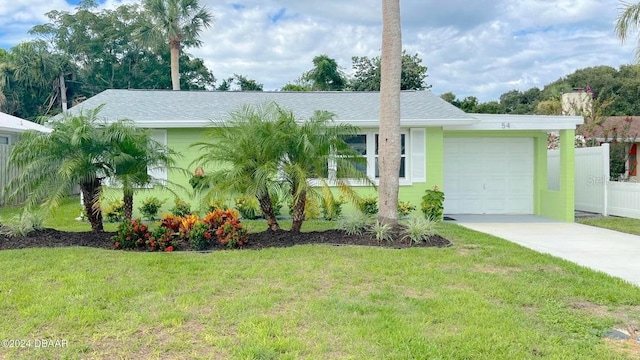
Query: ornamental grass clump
pixel 418 230
pixel 355 224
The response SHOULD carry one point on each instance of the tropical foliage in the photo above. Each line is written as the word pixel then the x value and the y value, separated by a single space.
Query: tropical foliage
pixel 176 22
pixel 84 150
pixel 267 149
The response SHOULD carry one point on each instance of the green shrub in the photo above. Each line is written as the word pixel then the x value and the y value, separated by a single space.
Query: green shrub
pixel 355 224
pixel 332 212
pixel 382 232
pixel 199 236
pixel 180 208
pixel 131 235
pixel 114 212
pixel 433 204
pixel 248 207
pixel 405 208
pixel 216 204
pixel 369 205
pixel 150 207
pixel 417 230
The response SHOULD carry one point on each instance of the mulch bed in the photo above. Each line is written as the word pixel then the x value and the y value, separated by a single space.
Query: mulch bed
pixel 50 238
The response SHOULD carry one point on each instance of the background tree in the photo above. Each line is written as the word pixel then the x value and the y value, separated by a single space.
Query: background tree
pixel 627 22
pixel 78 151
pixel 368 71
pixel 102 47
pixel 242 83
pixel 325 75
pixel 178 22
pixel 389 139
pixel 33 80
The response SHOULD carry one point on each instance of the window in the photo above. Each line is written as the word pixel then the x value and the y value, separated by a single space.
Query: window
pixel 367 146
pixel 403 157
pixel 4 140
pixel 359 144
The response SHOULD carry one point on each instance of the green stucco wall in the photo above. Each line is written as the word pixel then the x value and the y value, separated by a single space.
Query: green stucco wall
pixel 553 204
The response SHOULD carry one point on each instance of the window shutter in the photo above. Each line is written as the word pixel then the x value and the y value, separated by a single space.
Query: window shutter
pixel 418 156
pixel 160 173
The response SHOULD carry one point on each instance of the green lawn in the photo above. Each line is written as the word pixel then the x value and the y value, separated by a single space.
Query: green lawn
pixel 631 226
pixel 483 298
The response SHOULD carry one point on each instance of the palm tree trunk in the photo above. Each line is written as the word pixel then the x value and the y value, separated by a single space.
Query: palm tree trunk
pixel 91 195
pixel 298 212
pixel 127 201
pixel 269 214
pixel 389 139
pixel 175 64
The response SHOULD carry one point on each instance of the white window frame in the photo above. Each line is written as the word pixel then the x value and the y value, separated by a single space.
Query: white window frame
pixel 6 136
pixel 371 156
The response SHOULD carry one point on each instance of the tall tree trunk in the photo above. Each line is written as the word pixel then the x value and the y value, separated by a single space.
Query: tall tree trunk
pixel 175 64
pixel 91 197
pixel 298 212
pixel 389 139
pixel 127 202
pixel 63 93
pixel 267 209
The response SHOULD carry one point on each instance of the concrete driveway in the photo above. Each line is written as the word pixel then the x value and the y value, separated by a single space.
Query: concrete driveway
pixel 612 252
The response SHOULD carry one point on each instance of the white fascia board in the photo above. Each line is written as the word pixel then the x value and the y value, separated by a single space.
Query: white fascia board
pixel 521 122
pixel 170 124
pixel 412 122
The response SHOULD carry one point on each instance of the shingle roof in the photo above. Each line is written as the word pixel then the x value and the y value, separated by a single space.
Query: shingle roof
pixel 14 124
pixel 155 106
pixel 627 127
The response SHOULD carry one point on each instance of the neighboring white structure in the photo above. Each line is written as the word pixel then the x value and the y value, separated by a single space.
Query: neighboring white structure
pixel 594 192
pixel 11 127
pixel 577 103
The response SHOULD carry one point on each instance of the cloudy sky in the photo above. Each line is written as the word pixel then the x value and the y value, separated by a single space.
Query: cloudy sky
pixel 471 47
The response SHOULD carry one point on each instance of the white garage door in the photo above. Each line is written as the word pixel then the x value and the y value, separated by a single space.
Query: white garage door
pixel 488 176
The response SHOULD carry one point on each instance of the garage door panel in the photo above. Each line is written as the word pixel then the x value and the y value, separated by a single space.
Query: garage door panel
pixel 488 175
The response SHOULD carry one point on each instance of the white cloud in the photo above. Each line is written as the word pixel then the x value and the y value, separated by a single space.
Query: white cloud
pixel 479 48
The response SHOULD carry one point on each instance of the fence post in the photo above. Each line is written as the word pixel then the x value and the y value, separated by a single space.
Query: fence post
pixel 605 166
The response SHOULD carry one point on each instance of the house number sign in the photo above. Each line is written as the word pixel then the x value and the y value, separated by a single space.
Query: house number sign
pixel 506 125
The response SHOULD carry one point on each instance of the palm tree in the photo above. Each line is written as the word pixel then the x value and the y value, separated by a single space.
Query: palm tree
pixel 316 149
pixel 241 151
pixel 76 152
pixel 389 148
pixel 627 22
pixel 134 153
pixel 178 22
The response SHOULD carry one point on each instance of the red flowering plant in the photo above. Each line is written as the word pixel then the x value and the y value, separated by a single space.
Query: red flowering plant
pixel 131 235
pixel 232 234
pixel 162 239
pixel 172 222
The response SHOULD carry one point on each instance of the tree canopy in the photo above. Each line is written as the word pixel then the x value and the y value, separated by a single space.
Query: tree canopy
pixel 367 73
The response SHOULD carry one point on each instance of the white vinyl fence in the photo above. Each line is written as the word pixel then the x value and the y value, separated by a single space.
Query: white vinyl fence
pixel 593 190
